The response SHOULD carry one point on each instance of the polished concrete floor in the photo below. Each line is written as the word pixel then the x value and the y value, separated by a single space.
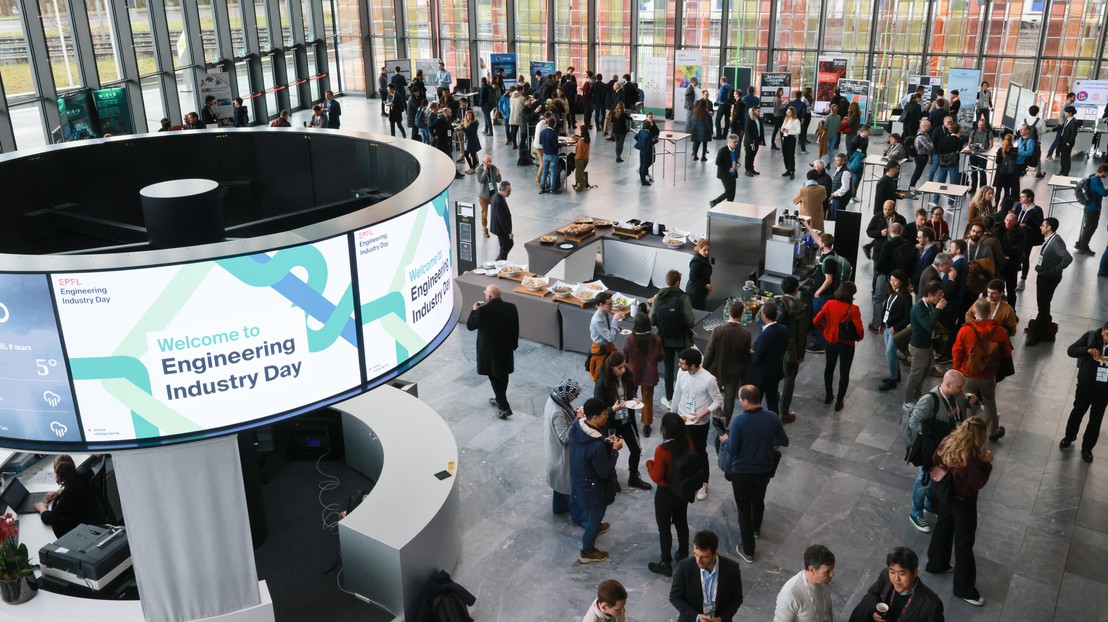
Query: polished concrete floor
pixel 1042 540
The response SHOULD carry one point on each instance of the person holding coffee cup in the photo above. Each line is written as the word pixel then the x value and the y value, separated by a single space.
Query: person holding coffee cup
pixel 899 595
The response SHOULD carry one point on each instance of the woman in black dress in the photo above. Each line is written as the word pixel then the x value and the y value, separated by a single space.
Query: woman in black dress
pixel 700 275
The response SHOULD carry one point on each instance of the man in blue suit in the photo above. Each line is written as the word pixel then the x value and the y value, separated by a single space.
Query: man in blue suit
pixel 768 363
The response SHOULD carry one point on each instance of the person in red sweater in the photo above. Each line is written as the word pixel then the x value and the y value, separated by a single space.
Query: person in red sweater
pixel 966 456
pixel 841 309
pixel 669 508
pixel 643 350
pixel 979 349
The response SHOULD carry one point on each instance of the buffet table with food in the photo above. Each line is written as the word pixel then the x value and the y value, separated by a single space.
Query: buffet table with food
pixel 542 325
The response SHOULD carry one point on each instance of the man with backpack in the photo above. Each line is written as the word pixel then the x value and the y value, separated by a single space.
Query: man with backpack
pixel 979 349
pixel 753 439
pixel 792 313
pixel 832 269
pixel 1037 126
pixel 934 416
pixel 671 313
pixel 1090 191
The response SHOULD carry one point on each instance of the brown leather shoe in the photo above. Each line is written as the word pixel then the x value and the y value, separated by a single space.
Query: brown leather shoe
pixel 788 417
pixel 936 373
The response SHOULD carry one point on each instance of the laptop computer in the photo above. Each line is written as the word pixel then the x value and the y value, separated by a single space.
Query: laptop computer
pixel 18 498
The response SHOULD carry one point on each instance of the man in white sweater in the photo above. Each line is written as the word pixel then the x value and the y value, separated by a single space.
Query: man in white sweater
pixel 610 604
pixel 806 597
pixel 695 397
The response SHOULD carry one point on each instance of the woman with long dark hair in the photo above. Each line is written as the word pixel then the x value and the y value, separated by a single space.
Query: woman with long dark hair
pixel 895 318
pixel 838 314
pixel 643 350
pixel 621 125
pixel 699 284
pixel 701 129
pixel 790 129
pixel 965 456
pixel 473 141
pixel 1006 181
pixel 615 386
pixel 669 507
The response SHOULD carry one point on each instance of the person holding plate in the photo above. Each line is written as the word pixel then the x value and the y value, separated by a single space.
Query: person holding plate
pixel 602 331
pixel 616 388
pixel 695 397
pixel 643 350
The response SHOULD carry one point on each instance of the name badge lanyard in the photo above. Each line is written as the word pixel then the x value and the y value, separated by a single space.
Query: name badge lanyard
pixel 709 602
pixel 889 307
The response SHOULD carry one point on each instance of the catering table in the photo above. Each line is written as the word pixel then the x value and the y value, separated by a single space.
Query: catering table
pixel 571 265
pixel 540 315
pixel 1058 183
pixel 990 161
pixel 644 261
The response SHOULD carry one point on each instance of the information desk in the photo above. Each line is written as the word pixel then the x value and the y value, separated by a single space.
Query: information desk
pixel 1060 183
pixel 409 527
pixel 50 606
pixel 539 316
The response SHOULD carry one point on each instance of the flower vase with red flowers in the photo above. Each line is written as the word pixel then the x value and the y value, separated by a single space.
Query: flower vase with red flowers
pixel 17 578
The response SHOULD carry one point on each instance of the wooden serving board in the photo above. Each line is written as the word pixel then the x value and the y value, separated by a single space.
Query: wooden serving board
pixel 573 300
pixel 580 239
pixel 518 278
pixel 630 234
pixel 530 292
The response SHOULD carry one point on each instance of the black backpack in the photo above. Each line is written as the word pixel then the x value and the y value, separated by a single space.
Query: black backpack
pixel 669 315
pixel 1082 192
pixel 448 606
pixel 688 475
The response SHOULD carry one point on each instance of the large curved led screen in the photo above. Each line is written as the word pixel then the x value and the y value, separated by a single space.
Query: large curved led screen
pixel 184 350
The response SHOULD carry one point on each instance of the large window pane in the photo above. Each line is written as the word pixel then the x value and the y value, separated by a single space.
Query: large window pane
pixel 1001 71
pixel 207 30
pixel 956 27
pixel 59 38
pixel 455 54
pixel 750 26
pixel 1074 28
pixel 418 14
pixel 570 33
pixel 702 25
pixel 455 35
pixel 154 103
pixel 613 27
pixel 103 41
pixel 19 84
pixel 890 81
pixel 656 23
pixel 492 21
pixel 1055 81
pixel 802 66
pixel 28 123
pixel 291 80
pixel 531 21
pixel 848 24
pixel 798 24
pixel 1014 27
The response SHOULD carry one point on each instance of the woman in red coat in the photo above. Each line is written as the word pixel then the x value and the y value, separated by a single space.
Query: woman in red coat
pixel 831 319
pixel 643 350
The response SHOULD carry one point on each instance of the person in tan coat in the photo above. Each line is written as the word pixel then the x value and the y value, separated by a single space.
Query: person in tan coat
pixel 810 198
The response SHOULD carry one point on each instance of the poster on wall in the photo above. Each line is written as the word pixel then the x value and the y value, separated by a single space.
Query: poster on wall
pixel 1092 96
pixel 78 116
pixel 506 63
pixel 114 111
pixel 218 85
pixel 687 64
pixel 931 85
pixel 829 70
pixel 653 84
pixel 965 81
pixel 612 66
pixel 544 67
pixel 857 92
pixel 405 66
pixel 770 82
pixel 429 67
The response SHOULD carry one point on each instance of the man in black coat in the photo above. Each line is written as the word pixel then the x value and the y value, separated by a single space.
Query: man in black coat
pixel 727 169
pixel 886 189
pixel 687 592
pixel 497 326
pixel 1068 138
pixel 1092 389
pixel 899 587
pixel 767 364
pixel 913 114
pixel 898 252
pixel 500 218
pixel 755 137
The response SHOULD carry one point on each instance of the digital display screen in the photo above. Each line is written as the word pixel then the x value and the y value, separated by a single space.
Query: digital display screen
pixel 405 284
pixel 35 399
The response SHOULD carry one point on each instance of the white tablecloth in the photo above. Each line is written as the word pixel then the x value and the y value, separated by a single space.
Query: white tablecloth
pixel 643 265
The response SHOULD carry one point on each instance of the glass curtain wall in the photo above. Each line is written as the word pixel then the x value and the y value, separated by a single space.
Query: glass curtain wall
pixel 491 30
pixel 455 38
pixel 531 37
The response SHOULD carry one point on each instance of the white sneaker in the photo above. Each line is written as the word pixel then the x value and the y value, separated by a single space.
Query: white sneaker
pixel 1022 284
pixel 702 494
pixel 665 402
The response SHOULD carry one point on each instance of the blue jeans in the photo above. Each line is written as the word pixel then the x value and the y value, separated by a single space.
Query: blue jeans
pixel 890 354
pixel 593 518
pixel 934 167
pixel 598 116
pixel 817 304
pixel 549 164
pixel 950 175
pixel 425 134
pixel 919 493
pixel 1054 145
pixel 565 503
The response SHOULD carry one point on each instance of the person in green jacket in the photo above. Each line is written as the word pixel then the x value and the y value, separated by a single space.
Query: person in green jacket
pixel 831 123
pixel 925 316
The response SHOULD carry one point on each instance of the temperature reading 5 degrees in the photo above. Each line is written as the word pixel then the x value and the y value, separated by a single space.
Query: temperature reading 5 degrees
pixel 44 366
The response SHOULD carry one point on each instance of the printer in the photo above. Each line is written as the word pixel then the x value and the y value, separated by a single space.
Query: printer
pixel 89 556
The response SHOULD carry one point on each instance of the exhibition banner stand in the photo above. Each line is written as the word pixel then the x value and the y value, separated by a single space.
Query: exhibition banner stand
pixel 829 70
pixel 965 81
pixel 114 110
pixel 218 85
pixel 612 65
pixel 687 64
pixel 430 67
pixel 932 84
pixel 1092 95
pixel 857 91
pixel 546 67
pixel 770 82
pixel 405 66
pixel 507 62
pixel 652 81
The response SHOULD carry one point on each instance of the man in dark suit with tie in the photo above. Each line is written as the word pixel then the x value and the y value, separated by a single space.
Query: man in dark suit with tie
pixel 899 587
pixel 1068 138
pixel 767 365
pixel 497 326
pixel 707 587
pixel 727 169
pixel 755 137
